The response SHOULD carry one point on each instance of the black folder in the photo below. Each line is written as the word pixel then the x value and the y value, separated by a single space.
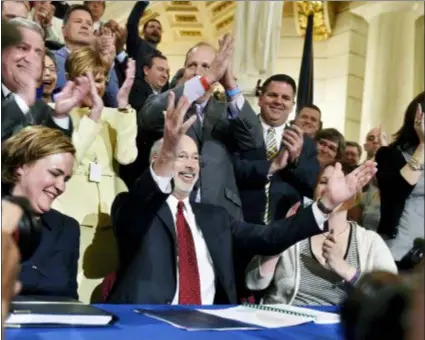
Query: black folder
pixel 56 314
pixel 194 320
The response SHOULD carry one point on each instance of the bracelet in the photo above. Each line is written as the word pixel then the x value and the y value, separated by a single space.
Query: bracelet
pixel 204 83
pixel 233 92
pixel 415 165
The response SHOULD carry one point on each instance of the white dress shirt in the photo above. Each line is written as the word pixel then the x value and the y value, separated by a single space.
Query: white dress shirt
pixel 203 257
pixel 205 265
pixel 278 129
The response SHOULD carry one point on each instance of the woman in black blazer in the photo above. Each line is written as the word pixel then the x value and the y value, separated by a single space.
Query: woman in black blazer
pixel 36 163
pixel 401 182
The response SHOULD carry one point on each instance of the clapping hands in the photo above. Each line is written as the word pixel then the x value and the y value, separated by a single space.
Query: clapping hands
pixel 124 92
pixel 73 95
pixel 341 188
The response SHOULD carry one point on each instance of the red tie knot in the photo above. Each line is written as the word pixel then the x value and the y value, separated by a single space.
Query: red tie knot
pixel 180 207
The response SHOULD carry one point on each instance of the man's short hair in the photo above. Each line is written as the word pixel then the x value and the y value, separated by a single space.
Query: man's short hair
pixel 200 44
pixel 28 24
pixel 156 147
pixel 335 136
pixel 150 58
pixel 280 78
pixel 149 21
pixel 74 8
pixel 355 145
pixel 85 3
pixel 313 107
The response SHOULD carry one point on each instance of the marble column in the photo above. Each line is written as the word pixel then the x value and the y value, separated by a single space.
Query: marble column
pixel 419 56
pixel 390 62
pixel 256 29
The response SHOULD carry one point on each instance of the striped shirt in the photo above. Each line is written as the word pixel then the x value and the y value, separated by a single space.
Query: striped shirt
pixel 319 285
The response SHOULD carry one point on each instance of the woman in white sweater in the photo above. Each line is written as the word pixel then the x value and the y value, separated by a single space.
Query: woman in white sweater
pixel 318 270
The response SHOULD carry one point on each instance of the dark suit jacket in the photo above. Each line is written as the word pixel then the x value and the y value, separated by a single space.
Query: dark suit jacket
pixel 287 186
pixel 217 138
pixel 146 237
pixel 52 270
pixel 137 47
pixel 13 119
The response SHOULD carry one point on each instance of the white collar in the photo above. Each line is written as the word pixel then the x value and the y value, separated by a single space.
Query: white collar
pixel 5 90
pixel 266 127
pixel 173 202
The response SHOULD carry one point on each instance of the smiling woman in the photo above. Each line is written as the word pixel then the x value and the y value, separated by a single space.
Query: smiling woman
pixel 36 164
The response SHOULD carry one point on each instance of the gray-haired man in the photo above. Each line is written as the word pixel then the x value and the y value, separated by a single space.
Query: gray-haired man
pixel 22 69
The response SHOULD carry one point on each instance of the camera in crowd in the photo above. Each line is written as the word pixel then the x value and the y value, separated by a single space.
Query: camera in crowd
pixel 28 231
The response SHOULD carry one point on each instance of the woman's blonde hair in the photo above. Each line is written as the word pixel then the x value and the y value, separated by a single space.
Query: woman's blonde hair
pixel 28 146
pixel 84 60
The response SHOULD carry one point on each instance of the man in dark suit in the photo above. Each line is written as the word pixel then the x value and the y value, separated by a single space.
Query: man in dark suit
pixel 155 77
pixel 156 224
pixel 284 169
pixel 221 127
pixel 139 48
pixel 21 72
pixel 156 73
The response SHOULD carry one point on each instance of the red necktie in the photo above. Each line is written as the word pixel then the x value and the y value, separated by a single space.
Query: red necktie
pixel 189 283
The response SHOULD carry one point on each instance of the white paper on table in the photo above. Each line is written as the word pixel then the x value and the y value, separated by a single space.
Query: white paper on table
pixel 259 317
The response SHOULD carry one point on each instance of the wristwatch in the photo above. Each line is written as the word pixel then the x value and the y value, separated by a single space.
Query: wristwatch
pixel 323 208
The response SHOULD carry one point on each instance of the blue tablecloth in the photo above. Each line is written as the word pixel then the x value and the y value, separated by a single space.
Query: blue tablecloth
pixel 132 326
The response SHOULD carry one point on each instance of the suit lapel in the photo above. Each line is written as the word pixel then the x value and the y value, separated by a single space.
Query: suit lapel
pixel 263 142
pixel 164 214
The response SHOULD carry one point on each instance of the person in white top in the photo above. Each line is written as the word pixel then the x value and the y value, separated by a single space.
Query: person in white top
pixel 43 14
pixel 176 251
pixel 315 271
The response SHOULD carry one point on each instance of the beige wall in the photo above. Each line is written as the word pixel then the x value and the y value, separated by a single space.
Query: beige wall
pixel 419 55
pixel 339 65
pixel 338 70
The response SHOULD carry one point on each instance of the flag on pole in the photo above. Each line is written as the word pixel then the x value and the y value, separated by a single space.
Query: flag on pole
pixel 305 82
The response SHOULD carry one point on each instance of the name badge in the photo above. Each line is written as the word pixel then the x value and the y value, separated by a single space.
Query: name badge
pixel 95 173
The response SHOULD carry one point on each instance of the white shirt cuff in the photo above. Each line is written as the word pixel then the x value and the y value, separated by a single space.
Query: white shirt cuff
pixel 22 105
pixel 193 89
pixel 236 105
pixel 62 122
pixel 121 56
pixel 164 183
pixel 320 217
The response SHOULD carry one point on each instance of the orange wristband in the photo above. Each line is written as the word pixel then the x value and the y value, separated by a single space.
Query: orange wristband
pixel 204 83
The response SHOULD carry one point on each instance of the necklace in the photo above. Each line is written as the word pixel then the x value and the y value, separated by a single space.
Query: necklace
pixel 326 235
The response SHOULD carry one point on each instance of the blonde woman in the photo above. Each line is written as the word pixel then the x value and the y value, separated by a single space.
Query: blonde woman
pixel 103 138
pixel 316 271
pixel 36 164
